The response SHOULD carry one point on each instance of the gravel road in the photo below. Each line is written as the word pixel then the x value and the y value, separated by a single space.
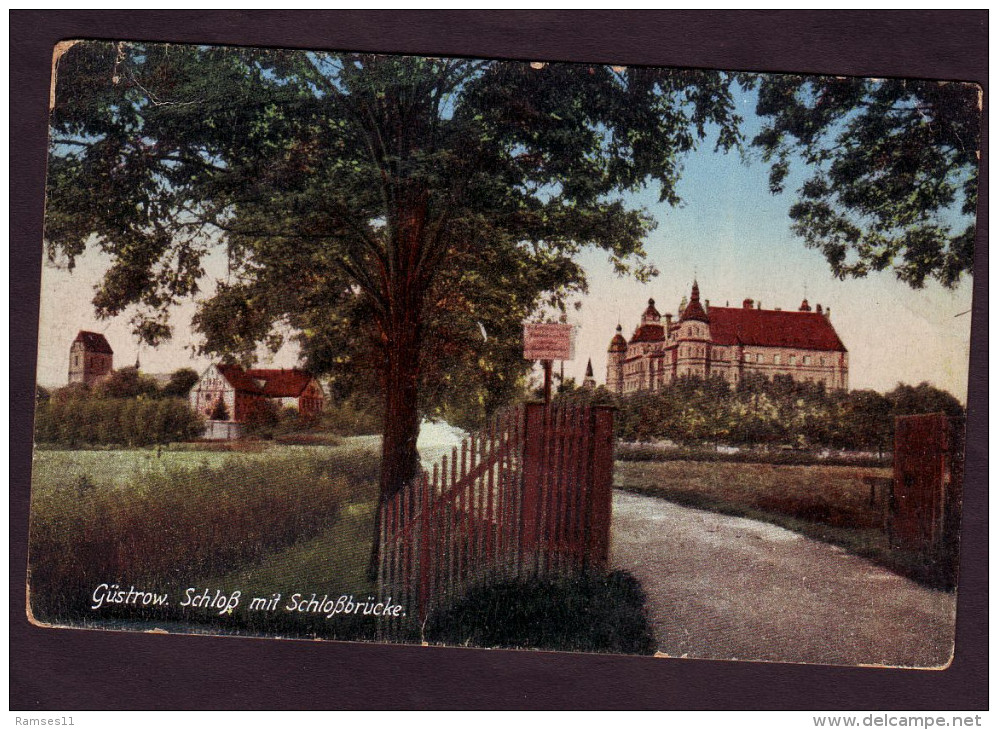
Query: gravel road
pixel 724 587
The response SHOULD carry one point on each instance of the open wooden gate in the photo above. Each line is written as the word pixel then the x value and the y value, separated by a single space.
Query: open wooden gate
pixel 528 496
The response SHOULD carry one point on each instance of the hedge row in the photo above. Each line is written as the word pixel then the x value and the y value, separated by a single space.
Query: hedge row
pixel 118 421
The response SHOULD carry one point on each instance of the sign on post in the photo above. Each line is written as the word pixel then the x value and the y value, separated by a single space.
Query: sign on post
pixel 543 341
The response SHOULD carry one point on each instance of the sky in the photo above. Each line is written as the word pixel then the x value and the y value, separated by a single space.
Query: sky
pixel 730 233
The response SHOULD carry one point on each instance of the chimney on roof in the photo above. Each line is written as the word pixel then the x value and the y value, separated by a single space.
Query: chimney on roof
pixel 817 308
pixel 828 313
pixel 706 305
pixel 758 305
pixel 747 304
pixel 804 306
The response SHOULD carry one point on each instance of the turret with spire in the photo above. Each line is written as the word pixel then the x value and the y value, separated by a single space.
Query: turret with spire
pixel 651 315
pixel 694 310
pixel 693 353
pixel 615 362
pixel 589 382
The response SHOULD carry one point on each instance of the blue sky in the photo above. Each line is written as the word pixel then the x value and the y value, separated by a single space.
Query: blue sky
pixel 730 232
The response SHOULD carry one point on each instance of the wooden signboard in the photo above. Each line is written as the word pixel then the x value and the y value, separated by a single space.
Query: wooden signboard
pixel 548 341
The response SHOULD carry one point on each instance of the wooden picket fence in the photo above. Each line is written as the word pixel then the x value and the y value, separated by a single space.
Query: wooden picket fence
pixel 528 496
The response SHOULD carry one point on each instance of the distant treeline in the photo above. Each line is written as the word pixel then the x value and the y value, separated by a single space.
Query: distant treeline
pixel 760 411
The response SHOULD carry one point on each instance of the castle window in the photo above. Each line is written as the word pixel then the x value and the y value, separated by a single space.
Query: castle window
pixel 792 360
pixel 758 358
pixel 807 359
pixel 776 359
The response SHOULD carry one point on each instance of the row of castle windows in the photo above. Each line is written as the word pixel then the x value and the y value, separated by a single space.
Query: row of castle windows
pixel 692 351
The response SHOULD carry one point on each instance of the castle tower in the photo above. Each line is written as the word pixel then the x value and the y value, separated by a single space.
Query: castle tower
pixel 651 315
pixel 693 338
pixel 90 358
pixel 615 363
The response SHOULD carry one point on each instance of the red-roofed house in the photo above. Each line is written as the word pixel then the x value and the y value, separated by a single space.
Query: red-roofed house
pixel 290 389
pixel 242 391
pixel 730 343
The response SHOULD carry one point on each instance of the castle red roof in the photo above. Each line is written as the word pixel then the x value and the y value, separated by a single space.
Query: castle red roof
pixel 648 333
pixel 618 343
pixel 94 342
pixel 773 328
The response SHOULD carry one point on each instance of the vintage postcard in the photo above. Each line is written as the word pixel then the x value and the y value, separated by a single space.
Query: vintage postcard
pixel 463 352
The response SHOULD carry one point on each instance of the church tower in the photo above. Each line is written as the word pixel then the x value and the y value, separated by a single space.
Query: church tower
pixel 90 358
pixel 589 382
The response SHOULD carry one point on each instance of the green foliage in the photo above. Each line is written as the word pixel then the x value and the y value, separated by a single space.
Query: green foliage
pixel 262 418
pixel 400 216
pixel 73 391
pixel 79 422
pixel 220 412
pixel 125 383
pixel 163 528
pixel 352 416
pixel 778 412
pixel 590 613
pixel 180 383
pixel 893 167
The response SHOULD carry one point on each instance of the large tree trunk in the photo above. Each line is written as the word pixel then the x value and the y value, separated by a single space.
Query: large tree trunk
pixel 399 456
pixel 402 327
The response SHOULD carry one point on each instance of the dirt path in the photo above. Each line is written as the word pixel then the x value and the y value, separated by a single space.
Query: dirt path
pixel 730 588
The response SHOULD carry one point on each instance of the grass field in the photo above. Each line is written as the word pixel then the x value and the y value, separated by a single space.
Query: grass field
pixel 829 503
pixel 115 467
pixel 262 519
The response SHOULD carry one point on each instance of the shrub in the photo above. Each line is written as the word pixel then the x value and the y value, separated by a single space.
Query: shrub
pixel 121 421
pixel 591 613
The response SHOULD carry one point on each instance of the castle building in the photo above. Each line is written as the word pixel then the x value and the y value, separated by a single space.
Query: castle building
pixel 90 358
pixel 727 342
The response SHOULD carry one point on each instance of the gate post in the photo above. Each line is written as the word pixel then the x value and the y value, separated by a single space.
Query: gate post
pixel 534 440
pixel 599 509
pixel 924 512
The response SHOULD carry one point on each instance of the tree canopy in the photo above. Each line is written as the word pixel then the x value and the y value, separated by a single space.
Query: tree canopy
pixel 892 167
pixel 399 216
